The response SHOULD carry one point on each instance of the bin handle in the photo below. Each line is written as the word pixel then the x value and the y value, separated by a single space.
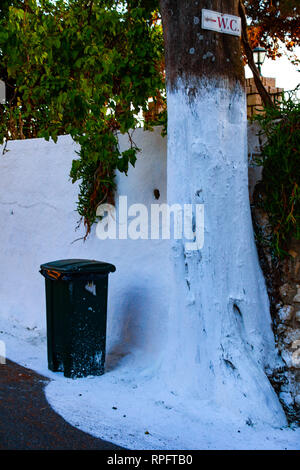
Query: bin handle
pixel 53 274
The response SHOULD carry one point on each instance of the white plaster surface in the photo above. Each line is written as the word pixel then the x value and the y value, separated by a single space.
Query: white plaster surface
pixel 220 335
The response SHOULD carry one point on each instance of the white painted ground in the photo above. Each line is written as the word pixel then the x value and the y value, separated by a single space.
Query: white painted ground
pixel 172 423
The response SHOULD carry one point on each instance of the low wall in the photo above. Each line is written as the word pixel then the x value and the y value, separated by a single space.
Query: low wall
pixel 38 221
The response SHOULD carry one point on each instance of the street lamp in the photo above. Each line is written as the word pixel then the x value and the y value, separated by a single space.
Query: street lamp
pixel 2 92
pixel 259 55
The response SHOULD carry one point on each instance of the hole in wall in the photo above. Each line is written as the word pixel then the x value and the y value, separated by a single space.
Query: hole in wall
pixel 156 193
pixel 237 310
pixel 229 364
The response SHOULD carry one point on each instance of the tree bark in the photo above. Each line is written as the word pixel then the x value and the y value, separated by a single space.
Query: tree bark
pixel 220 340
pixel 194 52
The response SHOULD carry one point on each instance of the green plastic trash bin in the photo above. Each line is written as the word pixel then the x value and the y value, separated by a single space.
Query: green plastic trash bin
pixel 76 304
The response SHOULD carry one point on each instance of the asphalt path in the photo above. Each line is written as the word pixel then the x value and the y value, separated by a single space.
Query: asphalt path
pixel 27 422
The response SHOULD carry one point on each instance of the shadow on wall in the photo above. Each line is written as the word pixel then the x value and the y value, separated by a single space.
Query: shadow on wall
pixel 134 335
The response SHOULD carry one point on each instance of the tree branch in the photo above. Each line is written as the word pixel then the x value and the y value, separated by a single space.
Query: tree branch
pixel 265 96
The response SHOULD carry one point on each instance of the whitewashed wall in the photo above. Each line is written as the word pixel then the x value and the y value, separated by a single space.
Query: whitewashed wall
pixel 38 220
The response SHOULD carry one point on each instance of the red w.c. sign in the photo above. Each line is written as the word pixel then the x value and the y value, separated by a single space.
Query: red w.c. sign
pixel 220 22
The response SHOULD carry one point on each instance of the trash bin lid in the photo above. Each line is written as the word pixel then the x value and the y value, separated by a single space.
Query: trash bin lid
pixel 79 266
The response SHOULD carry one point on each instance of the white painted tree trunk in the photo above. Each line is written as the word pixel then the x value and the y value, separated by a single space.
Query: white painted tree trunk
pixel 220 335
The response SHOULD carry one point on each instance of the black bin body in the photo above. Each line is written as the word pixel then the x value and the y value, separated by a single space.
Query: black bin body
pixel 76 303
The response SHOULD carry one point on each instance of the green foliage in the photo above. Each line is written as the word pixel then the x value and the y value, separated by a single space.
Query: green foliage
pixel 280 158
pixel 85 68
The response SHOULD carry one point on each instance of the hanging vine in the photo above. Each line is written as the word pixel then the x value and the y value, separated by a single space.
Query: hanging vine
pixel 85 68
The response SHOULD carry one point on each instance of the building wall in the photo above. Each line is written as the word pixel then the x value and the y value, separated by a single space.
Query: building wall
pixel 254 101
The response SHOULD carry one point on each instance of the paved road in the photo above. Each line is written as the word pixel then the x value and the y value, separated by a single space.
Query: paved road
pixel 28 422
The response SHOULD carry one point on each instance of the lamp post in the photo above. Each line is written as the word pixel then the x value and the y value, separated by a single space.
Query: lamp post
pixel 2 92
pixel 259 55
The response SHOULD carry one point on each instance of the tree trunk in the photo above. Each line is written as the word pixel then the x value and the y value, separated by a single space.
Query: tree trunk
pixel 220 337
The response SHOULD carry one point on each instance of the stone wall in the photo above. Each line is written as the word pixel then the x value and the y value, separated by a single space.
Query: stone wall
pixel 283 282
pixel 288 323
pixel 282 276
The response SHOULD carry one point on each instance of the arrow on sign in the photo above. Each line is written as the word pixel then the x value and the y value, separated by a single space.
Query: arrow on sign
pixel 222 23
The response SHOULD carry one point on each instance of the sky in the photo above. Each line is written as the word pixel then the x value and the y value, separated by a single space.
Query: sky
pixel 282 69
